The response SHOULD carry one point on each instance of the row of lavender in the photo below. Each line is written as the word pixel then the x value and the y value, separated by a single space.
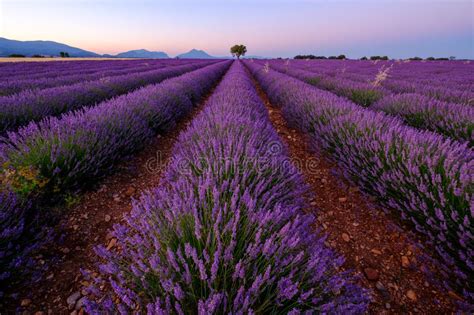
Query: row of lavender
pixel 449 82
pixel 32 105
pixel 453 120
pixel 14 85
pixel 43 160
pixel 452 75
pixel 35 70
pixel 226 233
pixel 427 178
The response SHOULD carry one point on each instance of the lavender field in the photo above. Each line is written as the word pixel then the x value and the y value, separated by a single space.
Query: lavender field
pixel 218 186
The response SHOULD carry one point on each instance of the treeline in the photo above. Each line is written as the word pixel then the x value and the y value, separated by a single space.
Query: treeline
pixel 319 57
pixel 62 54
pixel 369 58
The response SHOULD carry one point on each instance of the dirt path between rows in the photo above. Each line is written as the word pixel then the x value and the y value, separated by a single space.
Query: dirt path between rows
pixel 89 224
pixel 384 256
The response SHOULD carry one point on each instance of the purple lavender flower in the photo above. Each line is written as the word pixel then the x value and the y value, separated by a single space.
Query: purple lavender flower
pixel 242 197
pixel 420 174
pixel 33 105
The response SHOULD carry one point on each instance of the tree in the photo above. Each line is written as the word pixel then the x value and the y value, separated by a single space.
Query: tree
pixel 341 57
pixel 309 57
pixel 238 50
pixel 64 54
pixel 379 58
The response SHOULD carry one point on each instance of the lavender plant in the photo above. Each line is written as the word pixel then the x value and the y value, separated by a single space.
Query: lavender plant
pixel 450 82
pixel 11 228
pixel 364 94
pixel 427 178
pixel 226 233
pixel 453 120
pixel 45 159
pixel 14 248
pixel 31 105
pixel 12 86
pixel 57 154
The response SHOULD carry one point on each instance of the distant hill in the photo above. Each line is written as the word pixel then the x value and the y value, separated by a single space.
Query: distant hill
pixel 195 54
pixel 39 47
pixel 143 53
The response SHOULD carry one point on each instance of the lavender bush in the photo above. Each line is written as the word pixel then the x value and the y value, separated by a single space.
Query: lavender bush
pixel 361 93
pixel 453 120
pixel 12 86
pixel 441 93
pixel 225 234
pixel 31 105
pixel 36 70
pixel 427 178
pixel 61 153
pixel 11 228
pixel 14 248
pixel 444 81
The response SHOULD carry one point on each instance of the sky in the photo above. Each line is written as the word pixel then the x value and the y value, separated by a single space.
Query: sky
pixel 278 28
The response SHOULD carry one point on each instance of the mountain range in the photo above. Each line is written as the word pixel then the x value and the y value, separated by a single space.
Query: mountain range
pixel 40 47
pixel 50 48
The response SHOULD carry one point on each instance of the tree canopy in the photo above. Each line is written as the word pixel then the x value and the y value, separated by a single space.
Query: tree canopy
pixel 238 50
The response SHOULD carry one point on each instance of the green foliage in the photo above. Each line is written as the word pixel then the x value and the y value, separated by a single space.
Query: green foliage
pixel 71 200
pixel 365 97
pixel 314 80
pixel 309 57
pixel 23 180
pixel 16 56
pixel 379 58
pixel 238 50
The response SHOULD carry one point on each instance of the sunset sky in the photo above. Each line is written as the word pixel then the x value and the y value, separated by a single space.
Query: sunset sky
pixel 397 28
